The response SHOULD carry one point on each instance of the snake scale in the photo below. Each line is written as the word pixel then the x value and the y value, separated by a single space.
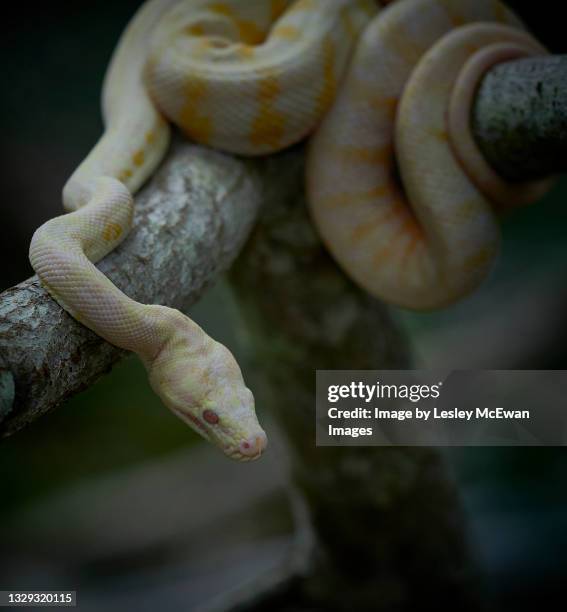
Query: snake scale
pixel 397 188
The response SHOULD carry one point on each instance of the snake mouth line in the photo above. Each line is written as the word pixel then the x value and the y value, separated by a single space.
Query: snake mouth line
pixel 238 456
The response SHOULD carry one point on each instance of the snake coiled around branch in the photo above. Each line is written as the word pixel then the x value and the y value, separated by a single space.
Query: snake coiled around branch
pixel 397 189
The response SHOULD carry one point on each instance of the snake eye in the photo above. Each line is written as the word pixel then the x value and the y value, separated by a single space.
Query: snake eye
pixel 211 417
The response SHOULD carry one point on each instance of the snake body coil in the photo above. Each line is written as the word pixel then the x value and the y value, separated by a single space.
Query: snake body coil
pixel 397 189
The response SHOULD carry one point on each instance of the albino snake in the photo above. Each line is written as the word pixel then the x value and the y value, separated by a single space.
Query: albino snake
pixel 252 77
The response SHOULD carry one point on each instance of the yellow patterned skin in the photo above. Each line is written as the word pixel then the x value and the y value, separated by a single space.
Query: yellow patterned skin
pixel 253 77
pixel 389 196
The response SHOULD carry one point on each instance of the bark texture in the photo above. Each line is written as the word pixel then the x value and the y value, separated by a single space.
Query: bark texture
pixel 520 117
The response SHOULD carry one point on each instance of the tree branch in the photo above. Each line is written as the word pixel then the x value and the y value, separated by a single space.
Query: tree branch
pixel 190 223
pixel 520 117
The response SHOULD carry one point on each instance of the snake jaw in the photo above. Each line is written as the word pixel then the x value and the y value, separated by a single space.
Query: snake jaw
pixel 238 456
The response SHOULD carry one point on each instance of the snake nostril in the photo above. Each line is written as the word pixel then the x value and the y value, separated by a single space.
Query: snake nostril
pixel 254 445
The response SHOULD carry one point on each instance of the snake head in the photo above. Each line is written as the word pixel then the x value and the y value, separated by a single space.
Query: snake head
pixel 199 380
pixel 227 418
